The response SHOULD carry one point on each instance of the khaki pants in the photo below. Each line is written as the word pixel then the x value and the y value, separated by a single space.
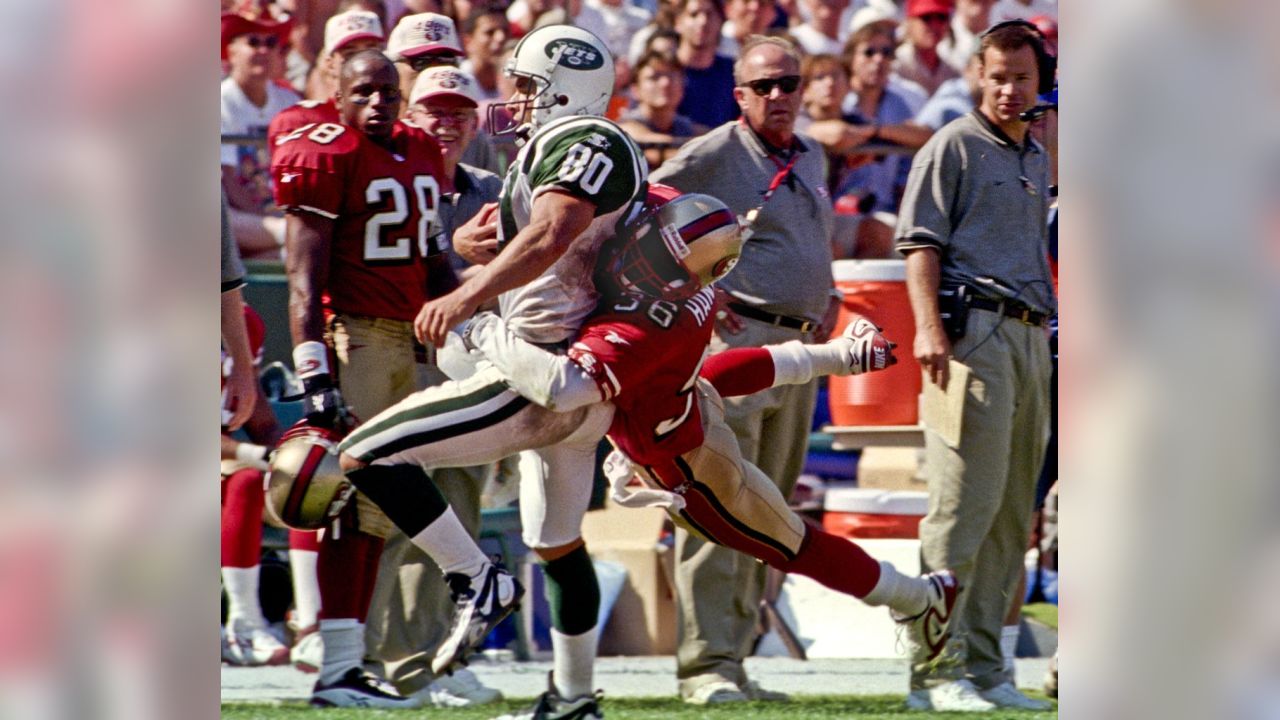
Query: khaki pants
pixel 411 608
pixel 717 628
pixel 981 493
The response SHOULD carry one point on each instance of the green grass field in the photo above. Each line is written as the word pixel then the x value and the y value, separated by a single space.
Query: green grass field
pixel 862 707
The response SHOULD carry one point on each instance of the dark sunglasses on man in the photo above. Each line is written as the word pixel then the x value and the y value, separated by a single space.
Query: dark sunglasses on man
pixel 257 41
pixel 422 62
pixel 764 86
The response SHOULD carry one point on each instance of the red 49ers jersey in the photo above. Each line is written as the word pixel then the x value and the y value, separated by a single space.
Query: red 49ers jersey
pixel 303 116
pixel 645 355
pixel 383 204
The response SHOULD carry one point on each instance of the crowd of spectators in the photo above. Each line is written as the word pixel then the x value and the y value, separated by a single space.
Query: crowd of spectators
pixel 879 77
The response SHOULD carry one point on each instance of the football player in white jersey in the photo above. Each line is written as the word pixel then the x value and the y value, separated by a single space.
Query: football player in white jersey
pixel 577 175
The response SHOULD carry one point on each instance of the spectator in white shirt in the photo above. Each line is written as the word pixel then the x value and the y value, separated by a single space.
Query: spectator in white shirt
pixel 249 100
pixel 821 34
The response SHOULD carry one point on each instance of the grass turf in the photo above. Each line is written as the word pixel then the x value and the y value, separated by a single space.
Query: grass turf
pixel 862 707
pixel 1043 613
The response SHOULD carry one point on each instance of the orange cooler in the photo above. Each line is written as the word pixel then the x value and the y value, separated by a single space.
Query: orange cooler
pixel 877 289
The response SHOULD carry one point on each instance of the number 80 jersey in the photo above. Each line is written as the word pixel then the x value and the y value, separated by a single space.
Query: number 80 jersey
pixel 587 157
pixel 383 204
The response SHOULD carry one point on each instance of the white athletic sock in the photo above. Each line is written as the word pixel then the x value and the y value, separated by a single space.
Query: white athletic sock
pixel 306 587
pixel 343 647
pixel 447 542
pixel 903 594
pixel 573 660
pixel 1009 645
pixel 241 585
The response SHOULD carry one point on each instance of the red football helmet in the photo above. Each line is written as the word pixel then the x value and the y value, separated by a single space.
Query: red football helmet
pixel 677 247
pixel 306 488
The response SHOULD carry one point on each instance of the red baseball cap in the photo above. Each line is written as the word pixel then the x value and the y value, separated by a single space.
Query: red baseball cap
pixel 233 26
pixel 920 8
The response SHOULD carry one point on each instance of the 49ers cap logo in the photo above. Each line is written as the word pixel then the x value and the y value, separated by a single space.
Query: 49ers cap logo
pixel 577 55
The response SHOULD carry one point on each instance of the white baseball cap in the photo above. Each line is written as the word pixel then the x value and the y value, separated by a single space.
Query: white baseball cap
pixel 351 25
pixel 421 34
pixel 868 14
pixel 445 81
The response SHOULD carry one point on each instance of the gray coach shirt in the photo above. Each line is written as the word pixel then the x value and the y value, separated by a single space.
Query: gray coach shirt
pixel 786 265
pixel 473 187
pixel 983 201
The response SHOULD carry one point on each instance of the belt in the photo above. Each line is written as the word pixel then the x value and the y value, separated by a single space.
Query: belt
pixel 785 321
pixel 1010 308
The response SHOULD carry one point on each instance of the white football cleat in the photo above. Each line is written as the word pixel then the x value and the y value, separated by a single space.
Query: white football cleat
pixel 927 632
pixel 482 602
pixel 307 653
pixel 250 644
pixel 1005 695
pixel 954 696
pixel 461 689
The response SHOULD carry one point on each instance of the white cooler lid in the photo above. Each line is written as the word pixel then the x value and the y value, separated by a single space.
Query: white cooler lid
pixel 877 502
pixel 869 270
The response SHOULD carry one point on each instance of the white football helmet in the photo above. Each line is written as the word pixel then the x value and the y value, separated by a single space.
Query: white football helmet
pixel 571 73
pixel 306 487
pixel 673 250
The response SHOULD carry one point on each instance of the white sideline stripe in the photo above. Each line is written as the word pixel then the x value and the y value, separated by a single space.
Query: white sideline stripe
pixel 412 427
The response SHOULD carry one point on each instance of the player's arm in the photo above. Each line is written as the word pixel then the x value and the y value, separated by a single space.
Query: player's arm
pixel 555 382
pixel 308 236
pixel 556 220
pixel 743 371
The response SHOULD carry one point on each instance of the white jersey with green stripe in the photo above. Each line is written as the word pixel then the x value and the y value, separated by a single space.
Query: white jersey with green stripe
pixel 588 157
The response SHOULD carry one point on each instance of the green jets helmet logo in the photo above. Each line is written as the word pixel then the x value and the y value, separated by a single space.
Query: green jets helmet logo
pixel 577 55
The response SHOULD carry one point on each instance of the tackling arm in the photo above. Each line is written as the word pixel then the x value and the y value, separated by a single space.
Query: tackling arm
pixel 742 371
pixel 553 381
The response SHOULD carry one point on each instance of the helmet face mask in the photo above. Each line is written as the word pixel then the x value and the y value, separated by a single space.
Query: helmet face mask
pixel 675 250
pixel 571 73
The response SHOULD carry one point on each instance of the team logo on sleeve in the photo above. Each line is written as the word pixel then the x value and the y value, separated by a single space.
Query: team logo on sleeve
pixel 575 54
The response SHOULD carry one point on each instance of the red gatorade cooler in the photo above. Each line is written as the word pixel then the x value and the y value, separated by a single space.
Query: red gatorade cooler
pixel 870 513
pixel 877 290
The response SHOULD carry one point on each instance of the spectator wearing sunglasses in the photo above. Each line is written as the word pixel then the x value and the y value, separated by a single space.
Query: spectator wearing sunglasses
pixel 428 40
pixel 249 100
pixel 780 290
pixel 928 24
pixel 876 180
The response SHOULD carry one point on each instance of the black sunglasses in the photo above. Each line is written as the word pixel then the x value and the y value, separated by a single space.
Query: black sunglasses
pixel 255 41
pixel 764 86
pixel 422 62
pixel 871 52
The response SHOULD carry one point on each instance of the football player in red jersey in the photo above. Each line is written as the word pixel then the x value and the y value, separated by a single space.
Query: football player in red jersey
pixel 361 197
pixel 345 34
pixel 246 640
pixel 644 350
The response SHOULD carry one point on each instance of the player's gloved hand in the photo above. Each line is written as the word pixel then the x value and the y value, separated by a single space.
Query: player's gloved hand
pixel 867 350
pixel 324 406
